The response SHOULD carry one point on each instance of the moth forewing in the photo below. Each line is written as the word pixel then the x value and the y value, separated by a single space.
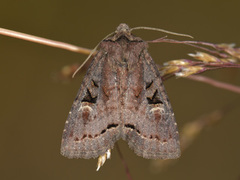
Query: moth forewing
pixel 150 128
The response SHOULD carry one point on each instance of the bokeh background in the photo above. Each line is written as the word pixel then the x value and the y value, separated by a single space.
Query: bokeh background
pixel 34 104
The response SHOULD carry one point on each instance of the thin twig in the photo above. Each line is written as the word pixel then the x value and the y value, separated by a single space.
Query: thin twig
pixel 215 83
pixel 78 49
pixel 124 163
pixel 44 41
pixel 193 44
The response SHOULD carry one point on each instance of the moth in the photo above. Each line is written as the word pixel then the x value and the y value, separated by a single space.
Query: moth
pixel 121 96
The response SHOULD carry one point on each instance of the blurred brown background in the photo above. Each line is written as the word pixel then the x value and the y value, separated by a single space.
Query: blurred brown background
pixel 34 106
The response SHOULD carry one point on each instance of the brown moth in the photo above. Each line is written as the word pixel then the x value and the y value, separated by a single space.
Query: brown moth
pixel 121 96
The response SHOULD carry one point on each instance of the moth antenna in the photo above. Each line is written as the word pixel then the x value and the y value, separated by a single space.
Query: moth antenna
pixel 92 52
pixel 162 30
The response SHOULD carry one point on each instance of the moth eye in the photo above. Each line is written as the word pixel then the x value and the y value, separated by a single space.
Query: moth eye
pixel 88 98
pixel 148 84
pixel 155 99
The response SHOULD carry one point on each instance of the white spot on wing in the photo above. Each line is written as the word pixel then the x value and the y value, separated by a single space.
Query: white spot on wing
pixel 86 106
pixel 157 108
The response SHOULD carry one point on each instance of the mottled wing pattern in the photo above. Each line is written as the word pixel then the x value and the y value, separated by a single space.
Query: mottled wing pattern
pixel 92 125
pixel 122 96
pixel 149 127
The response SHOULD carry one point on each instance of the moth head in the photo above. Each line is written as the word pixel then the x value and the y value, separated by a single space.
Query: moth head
pixel 123 30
